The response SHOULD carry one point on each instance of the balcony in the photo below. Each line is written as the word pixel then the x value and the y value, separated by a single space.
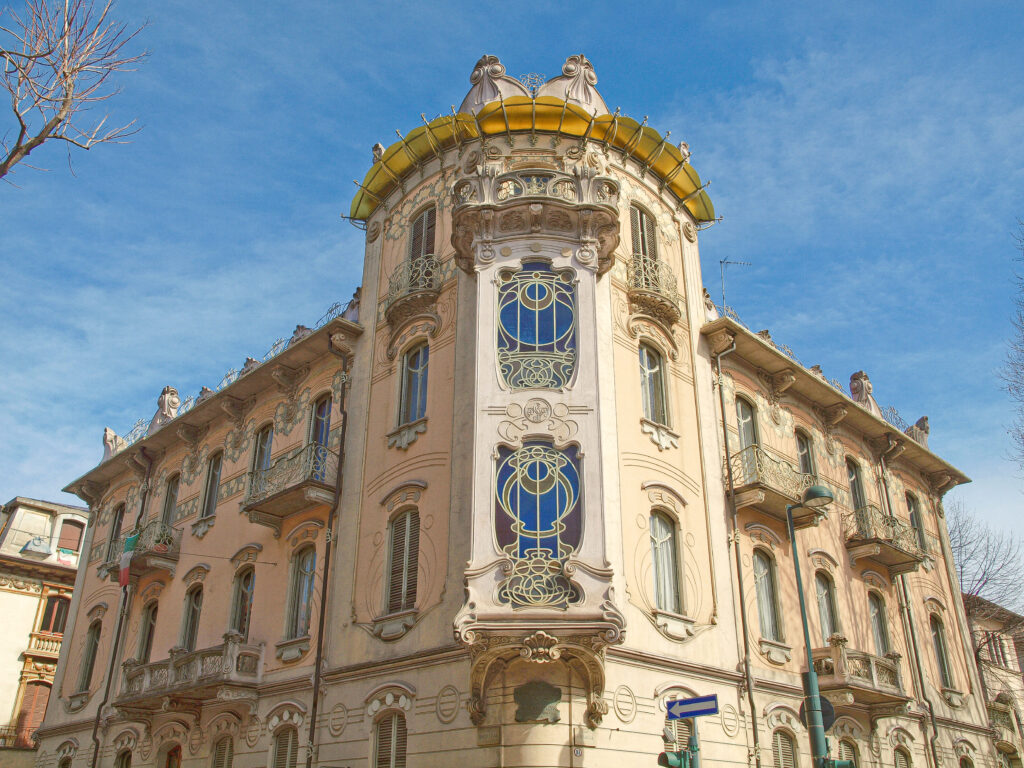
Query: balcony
pixel 16 737
pixel 1001 718
pixel 651 288
pixel 412 289
pixel 889 541
pixel 296 481
pixel 157 549
pixel 860 676
pixel 44 644
pixel 770 484
pixel 229 671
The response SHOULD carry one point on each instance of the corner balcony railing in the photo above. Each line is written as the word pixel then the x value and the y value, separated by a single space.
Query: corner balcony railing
pixel 651 288
pixel 190 677
pixel 412 289
pixel 157 549
pixel 43 643
pixel 292 483
pixel 869 679
pixel 889 541
pixel 1001 717
pixel 770 484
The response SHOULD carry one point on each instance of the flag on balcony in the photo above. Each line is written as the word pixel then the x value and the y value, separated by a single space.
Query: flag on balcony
pixel 126 558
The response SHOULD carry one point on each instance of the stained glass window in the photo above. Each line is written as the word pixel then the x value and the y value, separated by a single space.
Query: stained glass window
pixel 537 327
pixel 538 522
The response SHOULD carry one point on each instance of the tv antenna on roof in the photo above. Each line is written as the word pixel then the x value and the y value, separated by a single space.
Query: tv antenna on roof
pixel 726 262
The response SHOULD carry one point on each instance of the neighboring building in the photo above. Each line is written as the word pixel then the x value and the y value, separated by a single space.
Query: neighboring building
pixel 998 636
pixel 485 519
pixel 39 546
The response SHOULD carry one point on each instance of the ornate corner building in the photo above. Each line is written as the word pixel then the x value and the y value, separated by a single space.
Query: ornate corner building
pixel 523 492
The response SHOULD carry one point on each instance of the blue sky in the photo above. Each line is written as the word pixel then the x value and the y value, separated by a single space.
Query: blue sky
pixel 866 159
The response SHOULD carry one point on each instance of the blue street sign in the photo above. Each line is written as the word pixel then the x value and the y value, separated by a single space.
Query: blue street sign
pixel 702 705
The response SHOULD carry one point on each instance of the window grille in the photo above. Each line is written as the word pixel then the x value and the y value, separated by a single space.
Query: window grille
pixel 213 467
pixel 680 730
pixel 664 565
pixel 391 741
pixel 404 547
pixel 303 573
pixel 286 748
pixel 652 385
pixel 767 596
pixel 783 750
pixel 415 364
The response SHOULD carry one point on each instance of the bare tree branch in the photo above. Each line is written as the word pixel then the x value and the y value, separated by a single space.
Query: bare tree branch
pixel 1013 370
pixel 57 59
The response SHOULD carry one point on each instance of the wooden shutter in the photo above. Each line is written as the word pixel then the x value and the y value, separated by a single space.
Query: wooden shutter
pixel 847 751
pixel 412 559
pixel 900 759
pixel 650 235
pixel 70 535
pixel 401 738
pixel 782 750
pixel 224 753
pixel 428 231
pixel 286 748
pixel 634 227
pixel 398 549
pixel 682 729
pixel 383 752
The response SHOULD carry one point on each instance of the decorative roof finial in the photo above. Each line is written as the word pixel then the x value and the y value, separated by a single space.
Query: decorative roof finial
pixel 490 83
pixel 576 85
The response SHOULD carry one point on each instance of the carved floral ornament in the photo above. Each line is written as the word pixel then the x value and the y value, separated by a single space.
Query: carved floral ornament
pixel 538 417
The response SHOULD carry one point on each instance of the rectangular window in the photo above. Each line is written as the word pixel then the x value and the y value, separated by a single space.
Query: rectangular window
pixel 212 485
pixel 404 562
pixel 170 501
pixel 70 535
pixel 414 384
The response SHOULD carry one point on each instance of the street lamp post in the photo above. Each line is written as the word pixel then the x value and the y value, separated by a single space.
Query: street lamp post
pixel 816 497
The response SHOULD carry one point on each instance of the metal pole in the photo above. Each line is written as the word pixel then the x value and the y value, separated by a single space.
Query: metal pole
pixel 812 696
pixel 693 746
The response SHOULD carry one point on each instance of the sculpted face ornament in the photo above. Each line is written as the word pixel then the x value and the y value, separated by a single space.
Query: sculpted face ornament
pixel 166 409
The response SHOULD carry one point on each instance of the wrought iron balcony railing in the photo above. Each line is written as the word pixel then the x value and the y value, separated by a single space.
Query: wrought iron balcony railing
pixel 157 548
pixel 770 483
pixel 290 484
pixel 871 533
pixel 870 679
pixel 1001 718
pixel 652 289
pixel 412 288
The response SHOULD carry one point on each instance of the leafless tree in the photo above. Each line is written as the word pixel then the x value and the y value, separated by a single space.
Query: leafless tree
pixel 1013 371
pixel 58 59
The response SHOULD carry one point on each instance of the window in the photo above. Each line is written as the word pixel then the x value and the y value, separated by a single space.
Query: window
pixel 190 618
pixel 65 762
pixel 223 753
pixel 746 423
pixel 92 645
pixel 681 729
pixel 421 243
pixel 856 486
pixel 663 563
pixel 404 549
pixel 916 523
pixel 286 748
pixel 783 750
pixel 264 445
pixel 241 604
pixel 767 596
pixel 900 758
pixel 965 762
pixel 55 615
pixel 319 434
pixel 652 385
pixel 173 757
pixel 170 500
pixel 848 751
pixel 941 651
pixel 301 600
pixel 645 241
pixel 826 594
pixel 30 716
pixel 996 651
pixel 124 759
pixel 70 535
pixel 879 623
pixel 803 453
pixel 391 741
pixel 115 533
pixel 212 484
pixel 147 630
pixel 414 384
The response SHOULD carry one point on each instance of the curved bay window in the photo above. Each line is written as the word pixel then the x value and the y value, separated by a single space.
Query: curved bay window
pixel 536 327
pixel 664 564
pixel 403 561
pixel 767 596
pixel 538 521
pixel 826 595
pixel 241 602
pixel 941 651
pixel 301 593
pixel 652 385
pixel 413 401
pixel 170 500
pixel 879 623
pixel 390 744
pixel 92 645
pixel 190 618
pixel 147 630
pixel 856 484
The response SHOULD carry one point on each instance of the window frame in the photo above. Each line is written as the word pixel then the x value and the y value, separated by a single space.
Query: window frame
pixel 398 747
pixel 752 421
pixel 916 521
pixel 778 759
pixel 828 608
pixel 428 217
pixel 226 762
pixel 240 620
pixel 653 386
pixel 908 762
pixel 54 600
pixel 116 524
pixel 771 592
pixel 211 487
pixel 90 651
pixel 147 630
pixel 665 573
pixel 853 754
pixel 71 523
pixel 291 759
pixel 412 410
pixel 190 617
pixel 804 449
pixel 643 228
pixel 940 646
pixel 299 619
pixel 171 488
pixel 263 448
pixel 401 597
pixel 854 477
pixel 320 424
pixel 879 631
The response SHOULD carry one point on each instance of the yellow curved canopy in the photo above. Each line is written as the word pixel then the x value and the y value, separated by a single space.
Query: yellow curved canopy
pixel 545 114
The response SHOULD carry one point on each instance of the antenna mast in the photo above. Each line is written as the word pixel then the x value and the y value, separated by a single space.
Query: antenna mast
pixel 723 263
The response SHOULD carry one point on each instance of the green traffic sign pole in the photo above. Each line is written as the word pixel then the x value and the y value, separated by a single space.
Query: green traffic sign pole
pixel 693 746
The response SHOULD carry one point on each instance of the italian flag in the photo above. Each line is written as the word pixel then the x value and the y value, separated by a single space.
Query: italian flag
pixel 126 558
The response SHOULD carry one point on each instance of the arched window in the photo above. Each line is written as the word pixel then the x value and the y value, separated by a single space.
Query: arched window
pixel 900 758
pixel 147 630
pixel 264 447
pixel 879 623
pixel 783 750
pixel 115 533
pixel 319 434
pixel 213 466
pixel 848 751
pixel 941 651
pixel 124 759
pixel 170 500
pixel 301 593
pixel 652 385
pixel 55 615
pixel 916 522
pixel 241 602
pixel 70 535
pixel 403 561
pixel 803 452
pixel 391 741
pixel 286 748
pixel 413 400
pixel 223 753
pixel 421 243
pixel 643 229
pixel 65 762
pixel 826 594
pixel 173 757
pixel 767 596
pixel 746 422
pixel 92 645
pixel 966 762
pixel 663 563
pixel 30 716
pixel 190 618
pixel 856 485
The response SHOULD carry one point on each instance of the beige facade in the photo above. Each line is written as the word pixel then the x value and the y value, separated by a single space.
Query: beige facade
pixel 531 545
